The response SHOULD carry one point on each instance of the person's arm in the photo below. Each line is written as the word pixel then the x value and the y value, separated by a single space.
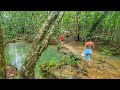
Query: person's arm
pixel 85 46
pixel 93 46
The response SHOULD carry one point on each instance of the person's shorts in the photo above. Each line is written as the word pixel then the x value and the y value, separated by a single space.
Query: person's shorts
pixel 88 52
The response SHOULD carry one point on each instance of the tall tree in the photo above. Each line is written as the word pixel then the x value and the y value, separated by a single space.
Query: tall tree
pixel 77 25
pixel 40 43
pixel 95 25
pixel 2 57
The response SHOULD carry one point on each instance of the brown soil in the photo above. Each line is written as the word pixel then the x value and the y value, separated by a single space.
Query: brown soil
pixel 99 69
pixel 11 72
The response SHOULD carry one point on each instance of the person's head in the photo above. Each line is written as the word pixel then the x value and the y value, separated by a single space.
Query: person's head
pixel 88 39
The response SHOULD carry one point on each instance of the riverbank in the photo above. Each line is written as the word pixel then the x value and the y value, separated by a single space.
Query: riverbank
pixel 99 69
pixel 16 53
pixel 110 69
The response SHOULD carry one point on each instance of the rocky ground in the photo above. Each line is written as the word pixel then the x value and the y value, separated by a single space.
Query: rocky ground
pixel 67 69
pixel 11 72
pixel 99 69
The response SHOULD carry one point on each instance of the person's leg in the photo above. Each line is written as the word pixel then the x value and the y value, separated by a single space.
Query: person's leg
pixel 89 56
pixel 89 59
pixel 85 55
pixel 84 59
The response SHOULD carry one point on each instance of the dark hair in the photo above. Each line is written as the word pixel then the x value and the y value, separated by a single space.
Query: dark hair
pixel 88 39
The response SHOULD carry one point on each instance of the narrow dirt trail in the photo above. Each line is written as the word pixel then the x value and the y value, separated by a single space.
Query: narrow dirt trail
pixel 96 54
pixel 98 69
pixel 79 49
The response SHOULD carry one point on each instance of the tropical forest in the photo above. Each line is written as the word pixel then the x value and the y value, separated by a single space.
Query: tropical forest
pixel 59 44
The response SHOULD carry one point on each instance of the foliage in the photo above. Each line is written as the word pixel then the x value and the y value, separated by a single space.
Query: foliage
pixel 52 62
pixel 65 61
pixel 105 53
pixel 17 23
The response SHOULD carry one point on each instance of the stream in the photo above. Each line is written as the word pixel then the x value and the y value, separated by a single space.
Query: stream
pixel 16 53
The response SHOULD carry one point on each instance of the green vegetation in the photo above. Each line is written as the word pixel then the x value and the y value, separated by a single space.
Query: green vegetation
pixel 48 68
pixel 40 31
pixel 105 54
pixel 25 24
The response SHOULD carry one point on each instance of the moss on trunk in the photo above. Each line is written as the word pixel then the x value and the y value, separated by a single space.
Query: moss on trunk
pixel 40 44
pixel 2 58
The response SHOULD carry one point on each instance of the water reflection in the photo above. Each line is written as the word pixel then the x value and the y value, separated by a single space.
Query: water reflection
pixel 16 53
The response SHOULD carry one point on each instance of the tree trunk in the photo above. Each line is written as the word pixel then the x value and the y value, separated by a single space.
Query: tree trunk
pixel 95 25
pixel 2 58
pixel 40 44
pixel 77 26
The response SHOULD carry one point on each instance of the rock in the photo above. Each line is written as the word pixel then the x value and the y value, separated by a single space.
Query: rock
pixel 66 51
pixel 12 72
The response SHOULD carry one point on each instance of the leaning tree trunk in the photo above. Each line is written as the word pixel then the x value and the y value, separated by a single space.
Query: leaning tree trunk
pixel 2 58
pixel 96 24
pixel 40 43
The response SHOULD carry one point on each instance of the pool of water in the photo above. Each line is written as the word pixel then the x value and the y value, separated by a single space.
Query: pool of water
pixel 50 53
pixel 115 60
pixel 16 53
